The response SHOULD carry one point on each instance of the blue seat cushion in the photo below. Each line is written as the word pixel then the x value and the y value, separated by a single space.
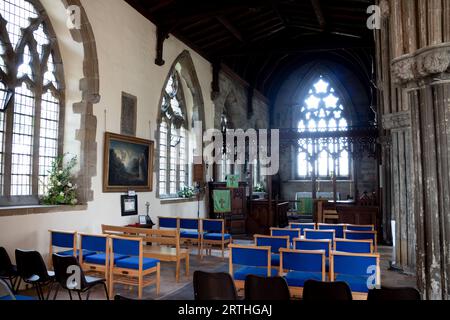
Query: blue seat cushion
pixel 100 258
pixel 216 236
pixel 355 282
pixel 18 298
pixel 133 263
pixel 189 234
pixel 242 273
pixel 298 278
pixel 70 253
pixel 275 260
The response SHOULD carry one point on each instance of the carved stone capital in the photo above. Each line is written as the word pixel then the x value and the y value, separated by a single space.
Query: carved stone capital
pixel 423 63
pixel 403 70
pixel 397 120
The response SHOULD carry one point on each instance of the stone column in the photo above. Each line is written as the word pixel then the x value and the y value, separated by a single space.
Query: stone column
pixel 402 182
pixel 417 121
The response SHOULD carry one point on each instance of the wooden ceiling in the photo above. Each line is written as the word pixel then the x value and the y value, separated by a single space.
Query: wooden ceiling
pixel 263 40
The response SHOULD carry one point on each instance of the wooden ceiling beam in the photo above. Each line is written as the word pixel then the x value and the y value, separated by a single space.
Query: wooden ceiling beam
pixel 319 14
pixel 304 44
pixel 231 28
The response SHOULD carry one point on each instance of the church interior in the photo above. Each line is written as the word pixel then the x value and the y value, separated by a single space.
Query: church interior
pixel 223 150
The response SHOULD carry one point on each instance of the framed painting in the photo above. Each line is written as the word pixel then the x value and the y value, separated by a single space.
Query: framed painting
pixel 127 164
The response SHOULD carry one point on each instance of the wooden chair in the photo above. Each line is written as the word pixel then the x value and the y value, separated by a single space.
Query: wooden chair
pixel 291 233
pixel 302 227
pixel 191 232
pixel 97 263
pixel 168 223
pixel 354 246
pixel 275 243
pixel 253 261
pixel 338 228
pixel 163 245
pixel 134 269
pixel 363 235
pixel 320 235
pixel 213 234
pixel 354 227
pixel 63 243
pixel 360 271
pixel 299 266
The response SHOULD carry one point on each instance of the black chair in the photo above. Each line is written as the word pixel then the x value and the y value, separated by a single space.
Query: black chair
pixel 326 291
pixel 266 289
pixel 63 275
pixel 214 286
pixel 394 294
pixel 32 269
pixel 8 271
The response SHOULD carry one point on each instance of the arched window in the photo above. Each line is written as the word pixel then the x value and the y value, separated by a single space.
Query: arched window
pixel 173 149
pixel 31 98
pixel 320 113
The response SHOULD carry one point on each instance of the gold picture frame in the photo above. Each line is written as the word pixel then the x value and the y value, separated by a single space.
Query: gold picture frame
pixel 127 164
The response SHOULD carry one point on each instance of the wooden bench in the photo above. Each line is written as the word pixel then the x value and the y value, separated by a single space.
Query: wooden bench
pixel 163 245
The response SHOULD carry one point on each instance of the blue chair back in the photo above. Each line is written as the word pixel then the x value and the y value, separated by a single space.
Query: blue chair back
pixel 94 243
pixel 128 247
pixel 355 246
pixel 314 245
pixel 352 227
pixel 303 227
pixel 169 223
pixel 62 239
pixel 320 234
pixel 338 228
pixel 214 226
pixel 275 243
pixel 306 261
pixel 250 256
pixel 354 264
pixel 361 235
pixel 189 224
pixel 292 233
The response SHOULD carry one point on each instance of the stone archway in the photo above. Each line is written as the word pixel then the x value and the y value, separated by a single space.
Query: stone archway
pixel 89 86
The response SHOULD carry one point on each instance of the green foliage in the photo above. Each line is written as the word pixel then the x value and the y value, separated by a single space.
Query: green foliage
pixel 60 189
pixel 186 192
pixel 259 188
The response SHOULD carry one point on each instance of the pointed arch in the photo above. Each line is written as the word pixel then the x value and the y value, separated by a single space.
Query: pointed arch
pixel 314 72
pixel 176 118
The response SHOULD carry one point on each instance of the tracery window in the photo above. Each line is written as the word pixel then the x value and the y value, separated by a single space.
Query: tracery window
pixel 173 140
pixel 322 112
pixel 31 98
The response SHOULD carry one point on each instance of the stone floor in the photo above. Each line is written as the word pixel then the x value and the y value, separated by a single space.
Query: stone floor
pixel 171 290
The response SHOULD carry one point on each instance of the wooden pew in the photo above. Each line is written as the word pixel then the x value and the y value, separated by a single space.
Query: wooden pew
pixel 163 245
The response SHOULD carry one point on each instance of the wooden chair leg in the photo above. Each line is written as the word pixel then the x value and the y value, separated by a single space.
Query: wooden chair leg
pixel 223 251
pixel 111 285
pixel 158 279
pixel 177 271
pixel 187 265
pixel 140 286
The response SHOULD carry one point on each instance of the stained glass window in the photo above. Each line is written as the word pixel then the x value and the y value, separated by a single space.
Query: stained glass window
pixel 30 125
pixel 322 111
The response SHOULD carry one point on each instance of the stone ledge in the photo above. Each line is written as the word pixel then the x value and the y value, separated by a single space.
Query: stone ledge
pixel 29 210
pixel 177 200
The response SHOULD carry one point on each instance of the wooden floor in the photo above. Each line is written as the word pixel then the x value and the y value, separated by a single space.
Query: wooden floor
pixel 171 290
